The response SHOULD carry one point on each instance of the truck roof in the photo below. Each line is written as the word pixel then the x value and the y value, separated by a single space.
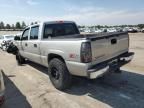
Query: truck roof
pixel 51 22
pixel 55 22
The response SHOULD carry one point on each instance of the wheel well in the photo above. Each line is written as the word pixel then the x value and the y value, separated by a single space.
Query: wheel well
pixel 52 56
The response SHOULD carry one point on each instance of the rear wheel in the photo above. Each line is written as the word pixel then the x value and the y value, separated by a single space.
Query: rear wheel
pixel 59 74
pixel 20 59
pixel 118 71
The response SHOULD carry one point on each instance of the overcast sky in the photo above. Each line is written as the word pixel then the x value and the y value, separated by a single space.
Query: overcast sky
pixel 83 12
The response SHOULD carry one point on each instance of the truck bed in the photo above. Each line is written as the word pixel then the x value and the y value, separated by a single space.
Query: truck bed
pixel 91 36
pixel 104 46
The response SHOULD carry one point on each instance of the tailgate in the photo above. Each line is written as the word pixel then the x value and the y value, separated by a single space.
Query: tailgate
pixel 108 46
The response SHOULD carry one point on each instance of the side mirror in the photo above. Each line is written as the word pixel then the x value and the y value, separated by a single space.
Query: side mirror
pixel 16 38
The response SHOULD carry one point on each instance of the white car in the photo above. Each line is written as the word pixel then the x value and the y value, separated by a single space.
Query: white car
pixel 142 30
pixel 110 30
pixel 1 40
pixel 4 39
pixel 87 30
pixel 97 31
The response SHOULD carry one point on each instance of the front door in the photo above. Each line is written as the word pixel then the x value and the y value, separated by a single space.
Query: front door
pixel 24 43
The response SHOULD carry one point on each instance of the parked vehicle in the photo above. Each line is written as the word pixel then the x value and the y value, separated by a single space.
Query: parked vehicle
pixel 5 41
pixel 119 29
pixel 59 46
pixel 96 30
pixel 132 30
pixel 104 30
pixel 125 29
pixel 87 30
pixel 110 30
pixel 12 45
pixel 81 30
pixel 2 88
pixel 1 40
pixel 142 30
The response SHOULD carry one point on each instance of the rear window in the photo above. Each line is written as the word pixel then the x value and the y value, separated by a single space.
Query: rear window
pixel 57 30
pixel 34 33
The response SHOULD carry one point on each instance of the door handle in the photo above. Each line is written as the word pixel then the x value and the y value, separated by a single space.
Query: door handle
pixel 26 44
pixel 114 41
pixel 35 45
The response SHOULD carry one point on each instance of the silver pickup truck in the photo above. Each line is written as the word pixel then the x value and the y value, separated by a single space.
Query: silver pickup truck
pixel 59 46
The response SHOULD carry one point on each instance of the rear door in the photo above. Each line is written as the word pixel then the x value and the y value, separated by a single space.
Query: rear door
pixel 30 44
pixel 34 45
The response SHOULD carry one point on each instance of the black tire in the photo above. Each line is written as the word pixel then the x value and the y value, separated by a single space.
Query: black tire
pixel 59 74
pixel 118 71
pixel 20 59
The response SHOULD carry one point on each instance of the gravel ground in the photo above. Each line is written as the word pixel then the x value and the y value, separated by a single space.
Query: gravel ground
pixel 28 86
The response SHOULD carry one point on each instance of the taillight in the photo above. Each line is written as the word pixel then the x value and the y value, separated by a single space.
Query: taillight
pixel 86 54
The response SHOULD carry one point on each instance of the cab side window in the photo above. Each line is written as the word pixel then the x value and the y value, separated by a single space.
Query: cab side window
pixel 48 31
pixel 34 33
pixel 25 34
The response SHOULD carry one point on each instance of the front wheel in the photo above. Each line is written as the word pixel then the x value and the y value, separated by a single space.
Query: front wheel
pixel 20 59
pixel 59 74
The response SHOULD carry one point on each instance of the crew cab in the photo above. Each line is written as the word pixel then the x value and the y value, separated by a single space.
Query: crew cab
pixel 59 46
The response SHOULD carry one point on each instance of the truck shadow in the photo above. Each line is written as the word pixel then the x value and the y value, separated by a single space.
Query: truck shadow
pixel 38 67
pixel 13 97
pixel 124 90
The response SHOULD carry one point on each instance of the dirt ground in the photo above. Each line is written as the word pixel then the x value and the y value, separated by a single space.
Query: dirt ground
pixel 28 86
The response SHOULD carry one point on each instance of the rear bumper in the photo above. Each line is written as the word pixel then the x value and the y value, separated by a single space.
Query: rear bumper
pixel 110 65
